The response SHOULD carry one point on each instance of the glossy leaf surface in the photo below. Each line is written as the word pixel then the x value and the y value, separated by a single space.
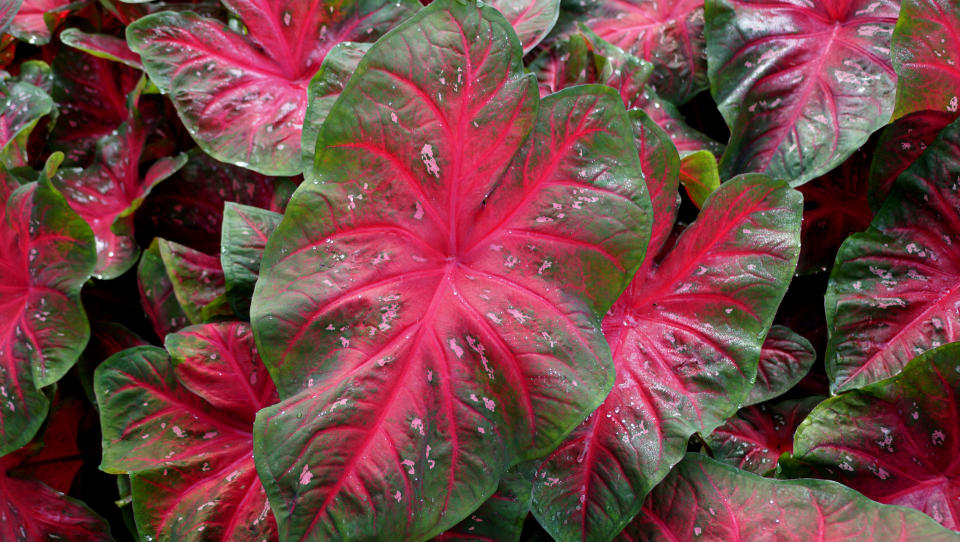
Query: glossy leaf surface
pixel 22 106
pixel 755 438
pixel 894 287
pixel 686 338
pixel 706 500
pixel 667 33
pixel 35 19
pixel 157 297
pixel 895 441
pixel 8 8
pixel 801 85
pixel 464 245
pixel 101 46
pixel 243 96
pixel 785 358
pixel 197 280
pixel 245 233
pixel 500 518
pixel 181 424
pixel 46 254
pixel 109 191
pixel 924 52
pixel 699 175
pixel 532 20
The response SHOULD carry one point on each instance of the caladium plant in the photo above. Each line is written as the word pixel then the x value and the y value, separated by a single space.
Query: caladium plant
pixel 515 270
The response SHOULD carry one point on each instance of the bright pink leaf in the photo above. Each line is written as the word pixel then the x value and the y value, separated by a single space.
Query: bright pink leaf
pixel 431 310
pixel 243 96
pixel 686 338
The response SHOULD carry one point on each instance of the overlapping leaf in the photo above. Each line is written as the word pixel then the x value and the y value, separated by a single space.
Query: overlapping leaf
pixel 706 500
pixel 8 8
pixel 181 424
pixel 245 233
pixel 46 254
pixel 157 297
pixel 197 280
pixel 667 33
pixel 686 338
pixel 22 106
pixel 894 288
pixel 895 441
pixel 699 175
pixel 35 19
pixel 758 435
pixel 801 85
pixel 924 52
pixel 243 96
pixel 460 252
pixel 500 518
pixel 109 191
pixel 101 46
pixel 531 19
pixel 785 358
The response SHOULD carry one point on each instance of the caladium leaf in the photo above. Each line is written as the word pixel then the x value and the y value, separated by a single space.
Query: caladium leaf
pixel 699 175
pixel 758 435
pixel 197 280
pixel 243 96
pixel 432 329
pixel 898 146
pixel 785 358
pixel 46 254
pixel 661 166
pixel 894 287
pixel 182 427
pixel 500 518
pixel 667 33
pixel 36 19
pixel 834 206
pixel 188 208
pixel 22 106
pixel 925 42
pixel 532 20
pixel 91 95
pixel 156 293
pixel 586 58
pixel 109 191
pixel 686 338
pixel 703 499
pixel 801 85
pixel 101 46
pixel 8 8
pixel 245 233
pixel 895 441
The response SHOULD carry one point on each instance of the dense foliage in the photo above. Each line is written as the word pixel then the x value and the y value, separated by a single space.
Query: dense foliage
pixel 576 270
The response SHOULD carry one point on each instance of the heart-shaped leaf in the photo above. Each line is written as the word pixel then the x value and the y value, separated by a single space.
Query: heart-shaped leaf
pixel 182 427
pixel 188 207
pixel 108 192
pixel 894 287
pixel 91 95
pixel 686 338
pixel 785 358
pixel 156 293
pixel 895 441
pixel 758 435
pixel 898 146
pixel 924 50
pixel 500 518
pixel 431 311
pixel 46 254
pixel 703 499
pixel 243 96
pixel 245 233
pixel 801 85
pixel 667 33
pixel 699 175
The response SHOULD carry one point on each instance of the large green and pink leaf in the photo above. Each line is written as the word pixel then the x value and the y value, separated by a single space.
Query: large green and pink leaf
pixel 896 441
pixel 188 207
pixel 703 499
pixel 667 33
pixel 757 436
pixel 181 424
pixel 924 52
pixel 785 358
pixel 108 192
pixel 894 288
pixel 686 338
pixel 431 311
pixel 243 96
pixel 801 84
pixel 46 254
